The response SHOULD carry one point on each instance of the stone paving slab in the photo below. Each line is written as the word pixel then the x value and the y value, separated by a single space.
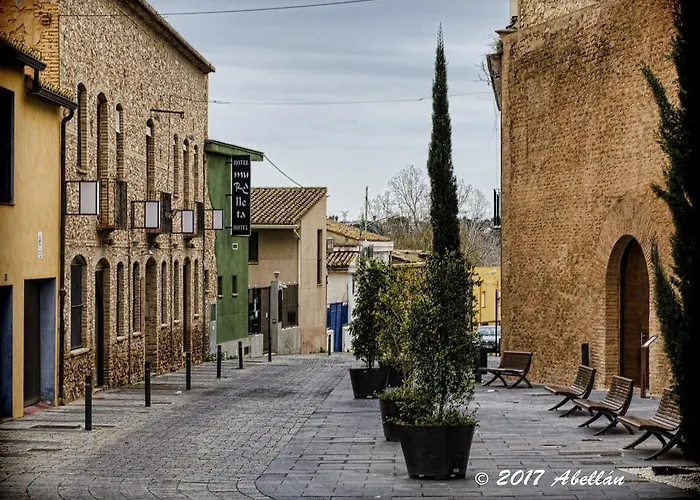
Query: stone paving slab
pixel 290 429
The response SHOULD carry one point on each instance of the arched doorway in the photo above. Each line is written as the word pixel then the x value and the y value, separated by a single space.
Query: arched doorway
pixel 102 315
pixel 186 306
pixel 628 306
pixel 150 312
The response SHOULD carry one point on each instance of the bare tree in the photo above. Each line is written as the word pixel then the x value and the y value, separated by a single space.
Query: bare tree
pixel 402 213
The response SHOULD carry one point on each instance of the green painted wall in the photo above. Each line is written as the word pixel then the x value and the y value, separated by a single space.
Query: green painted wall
pixel 232 310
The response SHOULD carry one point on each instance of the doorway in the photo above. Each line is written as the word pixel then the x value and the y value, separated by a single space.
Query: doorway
pixel 5 351
pixel 101 322
pixel 32 343
pixel 186 275
pixel 634 311
pixel 150 310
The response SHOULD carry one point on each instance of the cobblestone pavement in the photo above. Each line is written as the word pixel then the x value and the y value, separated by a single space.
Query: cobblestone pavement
pixel 291 429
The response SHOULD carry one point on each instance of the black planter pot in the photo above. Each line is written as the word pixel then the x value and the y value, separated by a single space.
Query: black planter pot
pixel 437 452
pixel 395 377
pixel 368 382
pixel 388 409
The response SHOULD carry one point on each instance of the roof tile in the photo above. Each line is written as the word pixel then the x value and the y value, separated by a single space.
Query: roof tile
pixel 352 232
pixel 282 206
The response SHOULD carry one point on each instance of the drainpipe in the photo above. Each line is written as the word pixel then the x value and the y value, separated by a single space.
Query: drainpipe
pixel 61 260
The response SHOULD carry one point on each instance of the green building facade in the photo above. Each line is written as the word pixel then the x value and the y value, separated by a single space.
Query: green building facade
pixel 231 251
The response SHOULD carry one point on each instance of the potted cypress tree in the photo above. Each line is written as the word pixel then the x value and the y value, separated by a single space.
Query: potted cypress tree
pixel 437 425
pixel 372 278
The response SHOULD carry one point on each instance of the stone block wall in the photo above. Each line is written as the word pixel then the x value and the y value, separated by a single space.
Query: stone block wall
pixel 134 79
pixel 579 153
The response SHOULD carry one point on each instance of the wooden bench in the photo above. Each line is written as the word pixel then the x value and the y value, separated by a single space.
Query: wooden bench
pixel 666 423
pixel 581 388
pixel 614 405
pixel 513 364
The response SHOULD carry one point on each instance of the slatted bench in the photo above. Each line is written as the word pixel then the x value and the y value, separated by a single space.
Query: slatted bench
pixel 666 423
pixel 614 405
pixel 513 364
pixel 581 388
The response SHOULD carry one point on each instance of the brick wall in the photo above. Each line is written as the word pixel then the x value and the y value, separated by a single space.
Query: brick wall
pixel 124 62
pixel 578 156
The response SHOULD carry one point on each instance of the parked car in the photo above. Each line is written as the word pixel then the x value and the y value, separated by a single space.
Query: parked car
pixel 490 337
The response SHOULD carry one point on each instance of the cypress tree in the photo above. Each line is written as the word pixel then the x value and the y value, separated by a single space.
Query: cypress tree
pixel 677 297
pixel 443 185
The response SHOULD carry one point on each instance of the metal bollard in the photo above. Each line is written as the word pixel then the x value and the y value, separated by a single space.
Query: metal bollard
pixel 88 402
pixel 269 346
pixel 147 384
pixel 188 371
pixel 240 355
pixel 329 345
pixel 218 361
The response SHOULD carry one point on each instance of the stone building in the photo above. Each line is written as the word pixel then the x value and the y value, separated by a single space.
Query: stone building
pixel 132 294
pixel 579 153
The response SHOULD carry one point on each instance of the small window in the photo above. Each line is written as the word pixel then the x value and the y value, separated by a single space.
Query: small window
pixel 120 300
pixel 253 242
pixel 234 285
pixel 220 286
pixel 176 291
pixel 320 250
pixel 483 300
pixel 7 126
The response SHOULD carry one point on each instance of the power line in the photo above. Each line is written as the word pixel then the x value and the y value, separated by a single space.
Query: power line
pixel 281 171
pixel 237 11
pixel 327 103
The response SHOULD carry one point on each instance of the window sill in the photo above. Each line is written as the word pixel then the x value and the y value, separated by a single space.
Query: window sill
pixel 163 326
pixel 122 338
pixel 79 351
pixel 176 322
pixel 234 295
pixel 196 316
pixel 253 262
pixel 81 171
pixel 7 203
pixel 136 334
pixel 219 296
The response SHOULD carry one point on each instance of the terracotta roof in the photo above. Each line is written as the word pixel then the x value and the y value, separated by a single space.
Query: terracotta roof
pixel 282 206
pixel 352 232
pixel 341 259
pixel 18 50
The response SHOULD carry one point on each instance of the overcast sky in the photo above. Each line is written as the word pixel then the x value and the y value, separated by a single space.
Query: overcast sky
pixel 376 51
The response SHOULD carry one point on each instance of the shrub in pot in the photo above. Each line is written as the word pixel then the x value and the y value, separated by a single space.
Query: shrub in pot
pixel 394 303
pixel 438 426
pixel 371 278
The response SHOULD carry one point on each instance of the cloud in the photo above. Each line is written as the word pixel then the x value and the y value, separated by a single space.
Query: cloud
pixel 379 51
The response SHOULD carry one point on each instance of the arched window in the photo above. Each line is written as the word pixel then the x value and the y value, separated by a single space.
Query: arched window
pixel 82 129
pixel 136 299
pixel 102 138
pixel 163 293
pixel 195 173
pixel 186 172
pixel 176 291
pixel 119 128
pixel 120 305
pixel 150 161
pixel 176 165
pixel 77 302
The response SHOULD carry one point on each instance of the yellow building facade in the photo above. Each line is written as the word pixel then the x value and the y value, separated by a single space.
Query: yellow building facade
pixel 488 295
pixel 30 226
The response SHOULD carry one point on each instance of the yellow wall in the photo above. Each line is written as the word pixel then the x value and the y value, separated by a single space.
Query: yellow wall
pixel 312 296
pixel 490 284
pixel 36 208
pixel 277 251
